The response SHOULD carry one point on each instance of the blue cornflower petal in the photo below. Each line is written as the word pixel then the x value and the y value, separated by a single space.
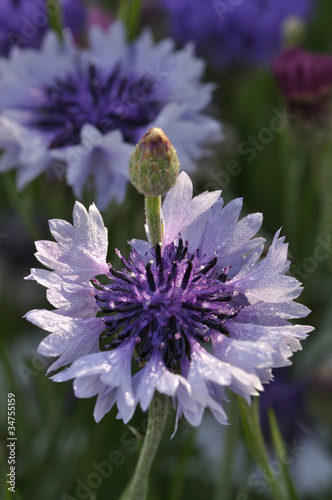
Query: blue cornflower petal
pixel 156 376
pixel 64 341
pixel 81 248
pixel 105 374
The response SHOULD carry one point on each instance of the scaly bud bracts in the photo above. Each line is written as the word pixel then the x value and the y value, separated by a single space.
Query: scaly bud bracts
pixel 154 165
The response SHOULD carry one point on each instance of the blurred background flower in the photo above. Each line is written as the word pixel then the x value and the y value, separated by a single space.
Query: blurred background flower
pixel 80 111
pixel 233 33
pixel 305 80
pixel 23 23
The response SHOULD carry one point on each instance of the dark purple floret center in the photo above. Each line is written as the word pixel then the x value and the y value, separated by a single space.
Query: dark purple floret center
pixel 109 100
pixel 165 302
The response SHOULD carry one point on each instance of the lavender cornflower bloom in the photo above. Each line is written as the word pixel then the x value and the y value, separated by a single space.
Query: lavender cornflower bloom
pixel 233 33
pixel 23 23
pixel 199 312
pixel 81 111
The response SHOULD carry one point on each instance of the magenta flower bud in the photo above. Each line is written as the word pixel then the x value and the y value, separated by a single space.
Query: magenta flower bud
pixel 305 79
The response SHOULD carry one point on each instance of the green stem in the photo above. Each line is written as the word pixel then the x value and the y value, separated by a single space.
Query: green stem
pixel 55 18
pixel 294 193
pixel 325 178
pixel 306 224
pixel 153 219
pixel 255 441
pixel 281 454
pixel 138 486
pixel 129 14
pixel 224 485
pixel 21 205
pixel 12 385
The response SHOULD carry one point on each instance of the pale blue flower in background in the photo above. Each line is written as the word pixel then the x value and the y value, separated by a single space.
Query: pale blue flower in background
pixel 233 33
pixel 81 111
pixel 23 23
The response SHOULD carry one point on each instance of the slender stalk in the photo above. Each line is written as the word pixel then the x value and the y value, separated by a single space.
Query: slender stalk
pixel 306 223
pixel 254 438
pixel 224 485
pixel 294 193
pixel 21 206
pixel 128 12
pixel 8 370
pixel 138 486
pixel 153 218
pixel 55 18
pixel 281 454
pixel 134 19
pixel 325 177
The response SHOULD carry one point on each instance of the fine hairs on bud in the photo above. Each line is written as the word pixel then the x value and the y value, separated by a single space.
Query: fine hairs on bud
pixel 154 165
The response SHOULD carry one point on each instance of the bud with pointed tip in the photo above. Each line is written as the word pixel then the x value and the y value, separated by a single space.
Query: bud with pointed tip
pixel 154 165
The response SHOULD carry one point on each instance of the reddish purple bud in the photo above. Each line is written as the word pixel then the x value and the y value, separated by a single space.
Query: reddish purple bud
pixel 305 79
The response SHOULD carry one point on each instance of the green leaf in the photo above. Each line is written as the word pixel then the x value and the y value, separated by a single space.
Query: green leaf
pixel 254 438
pixel 55 18
pixel 128 12
pixel 281 454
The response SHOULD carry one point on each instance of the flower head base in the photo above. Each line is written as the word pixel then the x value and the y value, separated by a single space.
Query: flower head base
pixel 154 165
pixel 198 313
pixel 306 82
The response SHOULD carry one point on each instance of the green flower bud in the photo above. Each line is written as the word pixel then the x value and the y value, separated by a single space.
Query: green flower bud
pixel 293 31
pixel 154 164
